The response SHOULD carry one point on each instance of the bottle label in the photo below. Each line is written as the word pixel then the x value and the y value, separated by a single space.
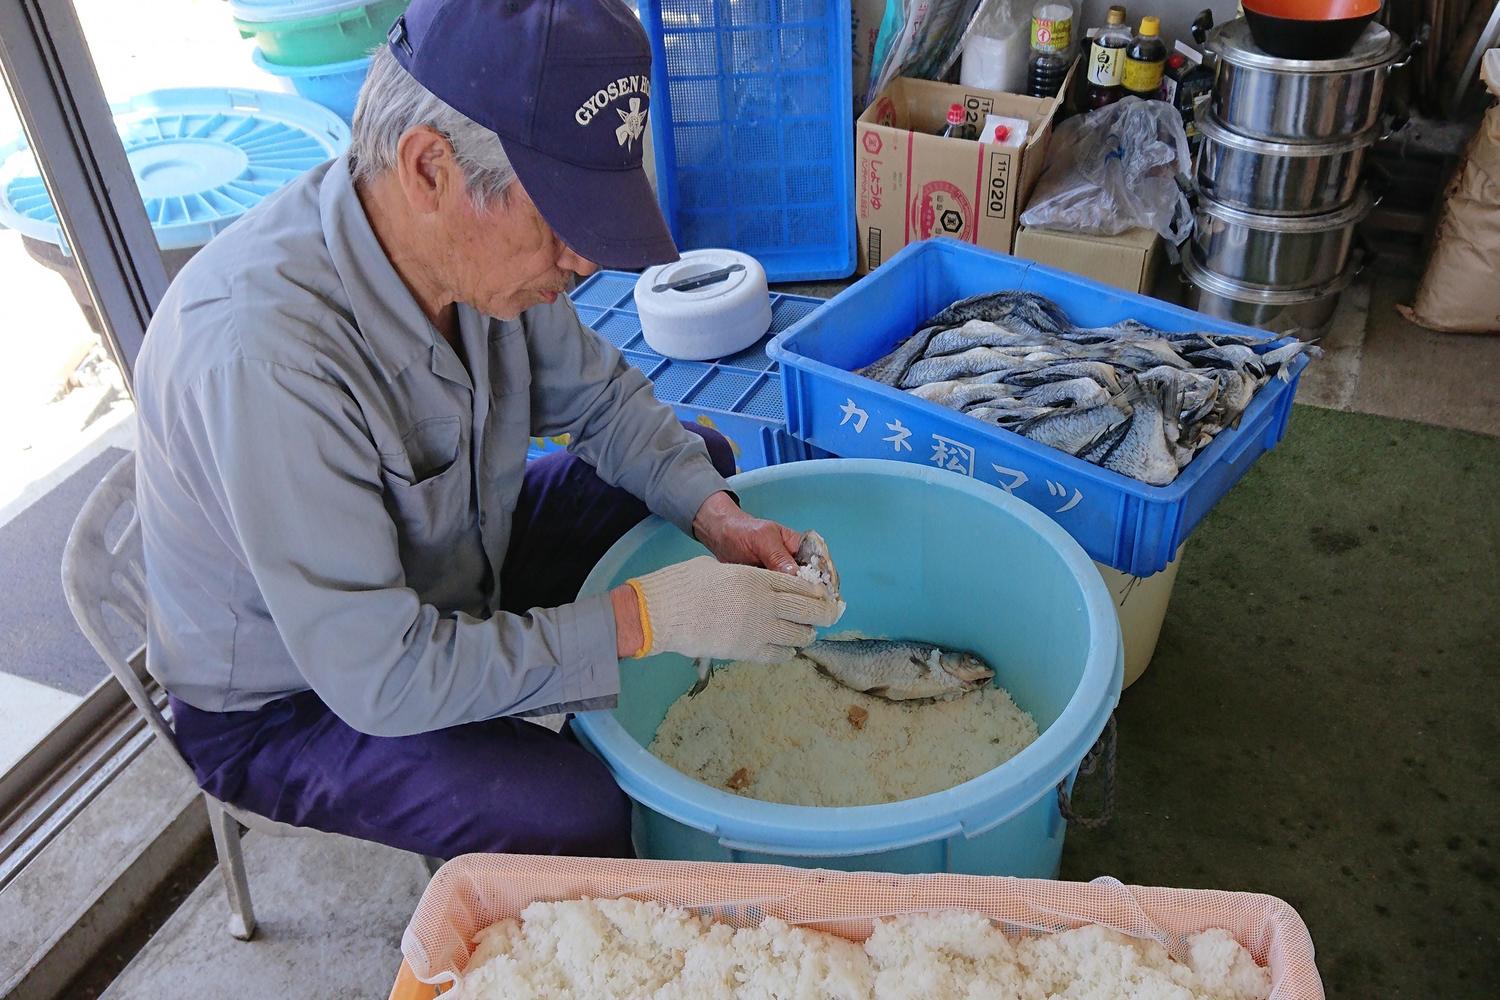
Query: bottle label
pixel 1106 65
pixel 1142 77
pixel 1168 91
pixel 1051 35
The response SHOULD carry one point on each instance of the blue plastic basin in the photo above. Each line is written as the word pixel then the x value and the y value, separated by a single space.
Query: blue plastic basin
pixel 333 85
pixel 923 554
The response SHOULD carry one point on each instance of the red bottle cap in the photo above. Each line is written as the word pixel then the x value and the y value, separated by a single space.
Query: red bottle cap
pixel 1002 132
pixel 955 114
pixel 1176 59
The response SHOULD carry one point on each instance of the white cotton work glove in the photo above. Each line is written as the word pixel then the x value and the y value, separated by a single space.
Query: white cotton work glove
pixel 722 611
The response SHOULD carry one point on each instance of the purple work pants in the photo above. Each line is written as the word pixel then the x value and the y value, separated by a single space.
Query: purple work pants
pixel 502 785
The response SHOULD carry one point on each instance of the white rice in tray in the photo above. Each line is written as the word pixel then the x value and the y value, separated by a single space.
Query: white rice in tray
pixel 785 733
pixel 624 948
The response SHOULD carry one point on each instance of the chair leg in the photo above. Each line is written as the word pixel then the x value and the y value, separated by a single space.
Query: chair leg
pixel 226 830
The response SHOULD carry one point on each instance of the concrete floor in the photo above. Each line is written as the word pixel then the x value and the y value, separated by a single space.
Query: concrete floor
pixel 1379 363
pixel 1297 759
pixel 330 910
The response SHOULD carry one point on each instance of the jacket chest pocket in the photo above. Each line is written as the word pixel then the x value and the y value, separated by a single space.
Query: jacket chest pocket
pixel 428 485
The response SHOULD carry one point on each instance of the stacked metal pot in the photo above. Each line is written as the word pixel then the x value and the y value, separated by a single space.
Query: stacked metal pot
pixel 1279 182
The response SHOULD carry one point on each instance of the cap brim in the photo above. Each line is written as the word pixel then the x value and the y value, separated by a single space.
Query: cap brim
pixel 609 217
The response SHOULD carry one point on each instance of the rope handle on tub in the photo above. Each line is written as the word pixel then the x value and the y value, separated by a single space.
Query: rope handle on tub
pixel 1104 749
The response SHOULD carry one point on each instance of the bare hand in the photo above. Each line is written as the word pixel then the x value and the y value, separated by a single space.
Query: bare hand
pixel 734 536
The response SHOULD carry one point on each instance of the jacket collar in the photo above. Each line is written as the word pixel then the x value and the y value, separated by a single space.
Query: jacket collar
pixel 393 325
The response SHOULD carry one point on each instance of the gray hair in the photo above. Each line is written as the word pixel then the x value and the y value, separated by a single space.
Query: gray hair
pixel 392 102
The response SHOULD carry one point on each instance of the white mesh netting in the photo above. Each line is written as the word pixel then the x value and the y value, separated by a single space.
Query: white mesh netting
pixel 471 892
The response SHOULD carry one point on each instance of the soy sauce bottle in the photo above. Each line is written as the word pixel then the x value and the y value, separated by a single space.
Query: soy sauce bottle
pixel 956 129
pixel 1145 59
pixel 1051 48
pixel 1106 65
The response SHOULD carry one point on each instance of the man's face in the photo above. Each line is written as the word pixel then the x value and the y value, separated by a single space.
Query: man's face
pixel 504 259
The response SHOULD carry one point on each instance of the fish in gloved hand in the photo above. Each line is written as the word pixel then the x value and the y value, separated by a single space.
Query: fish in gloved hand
pixel 898 670
pixel 815 565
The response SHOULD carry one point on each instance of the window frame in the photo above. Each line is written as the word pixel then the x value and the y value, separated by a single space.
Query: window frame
pixel 46 64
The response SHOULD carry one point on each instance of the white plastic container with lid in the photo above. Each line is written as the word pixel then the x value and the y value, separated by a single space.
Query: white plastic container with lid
pixel 710 304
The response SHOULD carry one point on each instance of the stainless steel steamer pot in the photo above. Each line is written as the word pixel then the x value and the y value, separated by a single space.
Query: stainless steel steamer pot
pixel 1304 312
pixel 1279 178
pixel 1301 100
pixel 1275 251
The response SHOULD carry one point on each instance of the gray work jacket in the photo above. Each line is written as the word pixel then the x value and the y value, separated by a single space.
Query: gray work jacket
pixel 326 490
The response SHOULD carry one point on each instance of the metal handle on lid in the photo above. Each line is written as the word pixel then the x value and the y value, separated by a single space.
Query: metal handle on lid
pixel 1404 55
pixel 1378 181
pixel 698 280
pixel 1202 25
pixel 1364 255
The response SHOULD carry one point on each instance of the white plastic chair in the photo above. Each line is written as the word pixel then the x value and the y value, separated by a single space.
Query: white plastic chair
pixel 103 573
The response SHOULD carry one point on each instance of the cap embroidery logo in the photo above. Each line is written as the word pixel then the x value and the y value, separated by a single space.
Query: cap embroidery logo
pixel 634 123
pixel 615 90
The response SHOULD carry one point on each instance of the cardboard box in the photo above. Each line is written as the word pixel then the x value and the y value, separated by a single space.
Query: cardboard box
pixel 912 183
pixel 1129 261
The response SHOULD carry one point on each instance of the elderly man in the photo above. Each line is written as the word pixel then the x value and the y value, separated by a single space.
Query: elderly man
pixel 357 586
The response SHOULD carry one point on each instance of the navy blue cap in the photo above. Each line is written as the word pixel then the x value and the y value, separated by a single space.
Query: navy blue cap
pixel 566 84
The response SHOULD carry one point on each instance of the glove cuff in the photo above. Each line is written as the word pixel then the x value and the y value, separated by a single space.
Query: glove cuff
pixel 647 636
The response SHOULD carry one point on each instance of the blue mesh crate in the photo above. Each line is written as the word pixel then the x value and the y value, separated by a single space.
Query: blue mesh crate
pixel 752 123
pixel 739 396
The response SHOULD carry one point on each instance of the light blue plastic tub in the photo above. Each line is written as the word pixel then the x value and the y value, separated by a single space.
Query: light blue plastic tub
pixel 921 553
pixel 333 85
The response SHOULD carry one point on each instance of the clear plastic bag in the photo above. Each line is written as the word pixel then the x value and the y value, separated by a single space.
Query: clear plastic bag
pixel 1116 169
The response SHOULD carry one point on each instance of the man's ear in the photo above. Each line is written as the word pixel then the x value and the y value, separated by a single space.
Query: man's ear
pixel 426 169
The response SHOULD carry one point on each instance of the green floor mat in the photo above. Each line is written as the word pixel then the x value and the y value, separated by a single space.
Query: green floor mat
pixel 1322 716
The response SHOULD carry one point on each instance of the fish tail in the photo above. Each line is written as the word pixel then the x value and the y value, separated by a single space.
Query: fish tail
pixel 1132 394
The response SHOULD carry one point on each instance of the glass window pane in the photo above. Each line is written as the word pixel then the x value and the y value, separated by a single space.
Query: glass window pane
pixel 65 418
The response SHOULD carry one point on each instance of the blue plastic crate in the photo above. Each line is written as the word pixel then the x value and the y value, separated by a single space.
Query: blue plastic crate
pixel 1119 521
pixel 739 396
pixel 753 127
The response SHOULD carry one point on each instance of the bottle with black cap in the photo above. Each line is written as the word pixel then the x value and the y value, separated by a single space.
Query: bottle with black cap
pixel 1106 65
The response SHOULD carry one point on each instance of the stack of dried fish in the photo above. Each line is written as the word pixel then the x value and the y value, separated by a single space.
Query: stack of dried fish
pixel 1133 399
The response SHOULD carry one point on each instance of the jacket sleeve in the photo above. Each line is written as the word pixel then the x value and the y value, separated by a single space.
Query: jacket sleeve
pixel 582 386
pixel 289 468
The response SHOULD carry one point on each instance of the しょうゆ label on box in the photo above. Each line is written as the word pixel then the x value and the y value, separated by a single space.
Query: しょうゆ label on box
pixel 913 184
